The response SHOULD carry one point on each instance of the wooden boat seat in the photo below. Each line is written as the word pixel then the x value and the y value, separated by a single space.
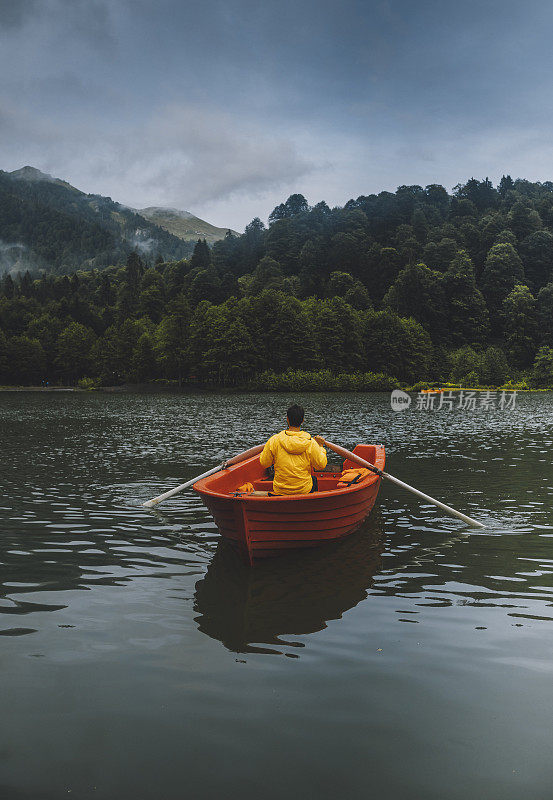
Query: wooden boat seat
pixel 327 482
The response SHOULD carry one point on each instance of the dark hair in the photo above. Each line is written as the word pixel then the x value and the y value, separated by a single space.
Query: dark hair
pixel 295 415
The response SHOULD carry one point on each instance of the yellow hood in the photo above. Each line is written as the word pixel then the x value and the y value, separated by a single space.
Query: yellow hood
pixel 294 442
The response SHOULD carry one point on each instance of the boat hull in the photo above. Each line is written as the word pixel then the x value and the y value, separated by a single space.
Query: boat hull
pixel 267 526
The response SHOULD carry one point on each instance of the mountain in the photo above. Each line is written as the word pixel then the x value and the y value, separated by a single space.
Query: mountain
pixel 33 175
pixel 45 223
pixel 183 224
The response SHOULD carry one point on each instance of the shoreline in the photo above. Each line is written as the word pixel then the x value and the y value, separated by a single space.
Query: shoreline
pixel 152 388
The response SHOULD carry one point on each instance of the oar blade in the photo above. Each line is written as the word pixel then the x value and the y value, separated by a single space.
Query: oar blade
pixel 150 503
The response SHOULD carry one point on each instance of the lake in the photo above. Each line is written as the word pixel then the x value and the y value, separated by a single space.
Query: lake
pixel 140 658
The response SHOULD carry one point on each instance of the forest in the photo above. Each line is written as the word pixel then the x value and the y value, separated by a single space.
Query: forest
pixel 392 289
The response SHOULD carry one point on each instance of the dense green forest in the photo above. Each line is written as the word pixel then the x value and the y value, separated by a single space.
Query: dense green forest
pixel 48 224
pixel 416 285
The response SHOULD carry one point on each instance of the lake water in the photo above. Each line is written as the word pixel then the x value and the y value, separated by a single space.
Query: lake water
pixel 141 659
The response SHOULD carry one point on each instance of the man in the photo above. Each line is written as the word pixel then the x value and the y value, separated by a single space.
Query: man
pixel 293 452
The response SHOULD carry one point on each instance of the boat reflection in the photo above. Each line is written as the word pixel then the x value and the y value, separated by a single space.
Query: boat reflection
pixel 248 610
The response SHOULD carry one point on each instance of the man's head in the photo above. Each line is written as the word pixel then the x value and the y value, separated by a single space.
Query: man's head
pixel 295 415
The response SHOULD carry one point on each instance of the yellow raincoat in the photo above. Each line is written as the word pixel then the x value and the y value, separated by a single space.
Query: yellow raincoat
pixel 293 453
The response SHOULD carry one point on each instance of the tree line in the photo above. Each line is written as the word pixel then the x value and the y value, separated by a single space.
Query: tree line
pixel 416 285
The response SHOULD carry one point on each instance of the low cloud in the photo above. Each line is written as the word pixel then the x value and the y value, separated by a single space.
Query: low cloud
pixel 183 156
pixel 204 155
pixel 142 243
pixel 15 257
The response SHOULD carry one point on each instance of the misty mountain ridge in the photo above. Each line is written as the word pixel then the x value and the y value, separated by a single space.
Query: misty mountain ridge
pixel 184 224
pixel 48 224
pixel 34 175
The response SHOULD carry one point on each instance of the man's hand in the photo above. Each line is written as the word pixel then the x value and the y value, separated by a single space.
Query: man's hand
pixel 320 441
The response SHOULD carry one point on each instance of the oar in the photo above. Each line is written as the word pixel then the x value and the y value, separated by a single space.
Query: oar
pixel 253 451
pixel 361 461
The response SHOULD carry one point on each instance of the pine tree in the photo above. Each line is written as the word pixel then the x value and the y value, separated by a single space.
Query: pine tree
pixel 521 331
pixel 8 287
pixel 537 254
pixel 523 220
pixel 74 345
pixel 267 275
pixel 26 361
pixel 26 284
pixel 144 364
pixel 386 271
pixel 292 340
pixel 105 292
pixel 172 340
pixel 544 309
pixel 467 315
pixel 3 355
pixel 201 257
pixel 134 269
pixel 205 286
pixel 493 366
pixel 503 269
pixel 542 370
pixel 506 185
pixel 465 362
pixel 418 292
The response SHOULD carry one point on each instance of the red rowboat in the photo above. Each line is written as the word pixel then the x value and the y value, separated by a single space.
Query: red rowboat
pixel 262 526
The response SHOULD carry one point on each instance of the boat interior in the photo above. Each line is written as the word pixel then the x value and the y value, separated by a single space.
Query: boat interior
pixel 228 481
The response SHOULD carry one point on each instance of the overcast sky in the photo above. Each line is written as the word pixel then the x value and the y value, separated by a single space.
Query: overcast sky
pixel 225 107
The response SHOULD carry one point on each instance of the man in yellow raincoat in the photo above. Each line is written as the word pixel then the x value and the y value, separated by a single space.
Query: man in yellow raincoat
pixel 293 452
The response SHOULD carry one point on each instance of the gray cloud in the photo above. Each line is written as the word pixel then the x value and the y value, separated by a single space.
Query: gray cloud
pixel 183 156
pixel 226 106
pixel 13 13
pixel 207 154
pixel 88 20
